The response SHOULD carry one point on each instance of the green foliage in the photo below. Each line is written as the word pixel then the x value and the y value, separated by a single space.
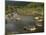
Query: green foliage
pixel 28 9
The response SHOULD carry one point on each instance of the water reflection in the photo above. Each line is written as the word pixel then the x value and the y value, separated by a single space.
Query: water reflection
pixel 24 24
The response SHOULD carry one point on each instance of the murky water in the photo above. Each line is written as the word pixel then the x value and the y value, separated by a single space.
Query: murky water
pixel 18 26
